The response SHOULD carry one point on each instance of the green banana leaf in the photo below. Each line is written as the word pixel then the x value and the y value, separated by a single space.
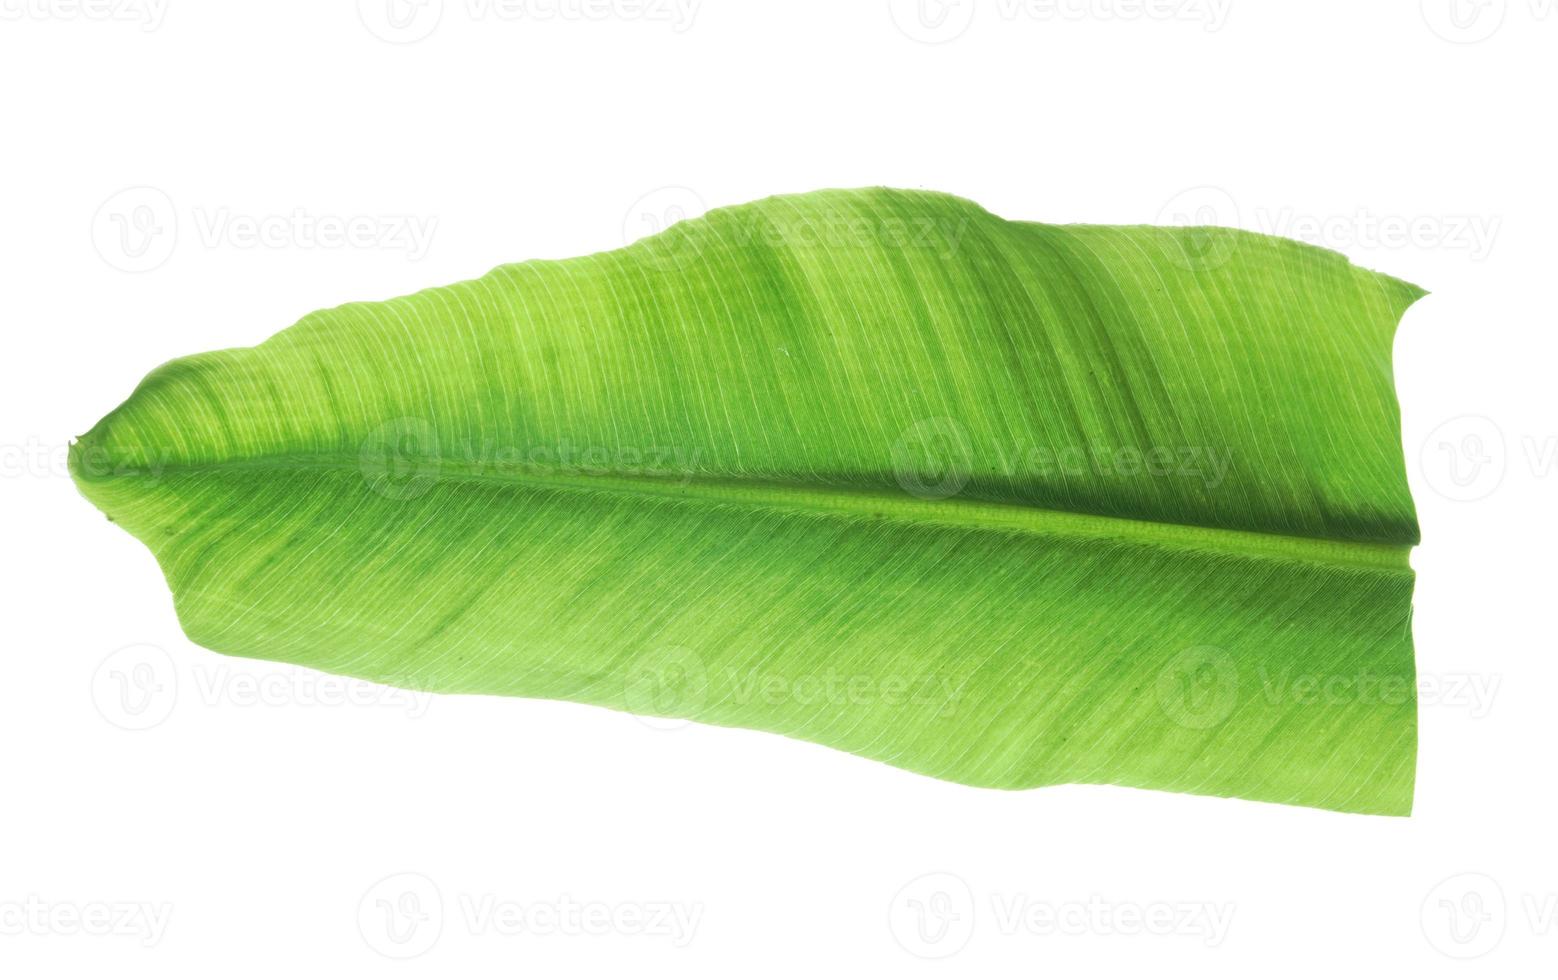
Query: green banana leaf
pixel 1004 503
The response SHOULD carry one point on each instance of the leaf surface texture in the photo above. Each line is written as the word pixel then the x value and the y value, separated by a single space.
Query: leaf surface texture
pixel 1006 503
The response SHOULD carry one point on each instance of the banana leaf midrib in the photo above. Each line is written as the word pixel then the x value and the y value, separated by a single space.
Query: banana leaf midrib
pixel 856 503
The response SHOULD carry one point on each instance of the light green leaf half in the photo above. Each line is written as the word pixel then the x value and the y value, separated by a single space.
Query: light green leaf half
pixel 1005 503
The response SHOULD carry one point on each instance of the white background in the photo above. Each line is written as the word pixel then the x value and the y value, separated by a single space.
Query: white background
pixel 233 817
